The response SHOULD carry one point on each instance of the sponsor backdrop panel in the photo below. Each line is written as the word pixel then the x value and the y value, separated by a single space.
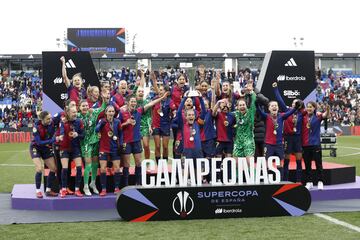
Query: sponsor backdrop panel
pixel 55 92
pixel 293 70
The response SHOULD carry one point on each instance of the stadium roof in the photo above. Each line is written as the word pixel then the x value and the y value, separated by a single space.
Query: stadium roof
pixel 178 55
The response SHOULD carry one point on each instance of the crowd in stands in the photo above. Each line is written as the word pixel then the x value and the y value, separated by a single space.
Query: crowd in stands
pixel 21 92
pixel 342 93
pixel 20 100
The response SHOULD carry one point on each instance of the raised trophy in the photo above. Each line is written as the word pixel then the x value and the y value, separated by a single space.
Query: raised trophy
pixel 191 77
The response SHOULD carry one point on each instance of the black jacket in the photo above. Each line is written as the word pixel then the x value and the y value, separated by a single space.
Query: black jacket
pixel 259 124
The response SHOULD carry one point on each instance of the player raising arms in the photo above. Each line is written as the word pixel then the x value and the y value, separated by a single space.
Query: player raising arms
pixel 274 122
pixel 190 130
pixel 177 92
pixel 161 120
pixel 89 144
pixel 109 129
pixel 311 142
pixel 292 137
pixel 71 132
pixel 131 118
pixel 244 144
pixel 145 125
pixel 74 86
pixel 41 148
pixel 224 121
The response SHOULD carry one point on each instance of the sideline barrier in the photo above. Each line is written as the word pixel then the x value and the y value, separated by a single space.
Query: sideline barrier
pixel 355 131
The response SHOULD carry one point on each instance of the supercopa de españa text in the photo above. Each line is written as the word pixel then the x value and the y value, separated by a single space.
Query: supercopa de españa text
pixel 183 173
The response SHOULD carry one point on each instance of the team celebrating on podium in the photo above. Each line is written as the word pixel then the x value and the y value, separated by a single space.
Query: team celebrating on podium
pixel 115 124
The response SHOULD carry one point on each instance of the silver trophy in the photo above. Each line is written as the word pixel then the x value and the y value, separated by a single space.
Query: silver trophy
pixel 191 77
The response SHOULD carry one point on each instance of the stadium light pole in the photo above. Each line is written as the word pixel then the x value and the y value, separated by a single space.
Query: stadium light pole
pixel 298 42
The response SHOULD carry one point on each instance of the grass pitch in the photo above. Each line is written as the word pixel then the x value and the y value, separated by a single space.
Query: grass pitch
pixel 16 167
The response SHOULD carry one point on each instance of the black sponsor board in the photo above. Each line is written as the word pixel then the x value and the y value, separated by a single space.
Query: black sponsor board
pixel 294 72
pixel 54 87
pixel 208 202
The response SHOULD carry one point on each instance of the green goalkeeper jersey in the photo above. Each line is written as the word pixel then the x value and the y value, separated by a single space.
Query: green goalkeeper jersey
pixel 145 118
pixel 89 121
pixel 244 127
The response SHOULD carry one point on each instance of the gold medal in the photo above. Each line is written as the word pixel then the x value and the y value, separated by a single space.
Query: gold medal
pixel 308 125
pixel 191 138
pixel 133 120
pixel 71 134
pixel 110 133
pixel 114 138
pixel 160 113
pixel 226 123
pixel 235 126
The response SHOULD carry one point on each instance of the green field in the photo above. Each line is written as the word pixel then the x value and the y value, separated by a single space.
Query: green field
pixel 16 167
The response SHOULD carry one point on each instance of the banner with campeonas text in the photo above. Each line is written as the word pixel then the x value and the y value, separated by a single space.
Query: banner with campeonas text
pixel 15 137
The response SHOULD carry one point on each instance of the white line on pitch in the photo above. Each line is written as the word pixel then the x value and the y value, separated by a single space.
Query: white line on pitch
pixel 338 222
pixel 14 151
pixel 346 155
pixel 16 165
pixel 349 147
